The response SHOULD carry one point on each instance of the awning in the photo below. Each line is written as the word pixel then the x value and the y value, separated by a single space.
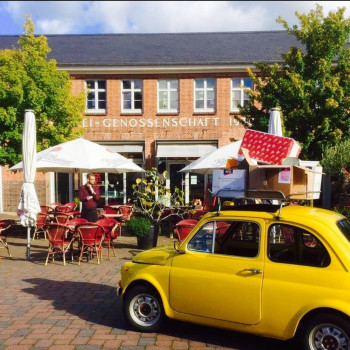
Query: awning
pixel 184 150
pixel 126 148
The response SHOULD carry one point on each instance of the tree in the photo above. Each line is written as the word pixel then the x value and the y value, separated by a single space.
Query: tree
pixel 311 85
pixel 29 81
pixel 153 200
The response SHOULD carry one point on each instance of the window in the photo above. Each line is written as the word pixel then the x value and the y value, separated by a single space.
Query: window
pixel 168 96
pixel 292 245
pixel 132 96
pixel 236 238
pixel 238 96
pixel 96 96
pixel 204 95
pixel 344 226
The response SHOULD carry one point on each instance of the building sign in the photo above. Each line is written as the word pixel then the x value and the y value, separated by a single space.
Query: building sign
pixel 166 122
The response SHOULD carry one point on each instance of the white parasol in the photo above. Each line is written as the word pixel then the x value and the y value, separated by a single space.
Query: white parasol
pixel 28 206
pixel 214 160
pixel 82 156
pixel 275 125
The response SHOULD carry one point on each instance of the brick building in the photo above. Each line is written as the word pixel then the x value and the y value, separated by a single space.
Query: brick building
pixel 163 100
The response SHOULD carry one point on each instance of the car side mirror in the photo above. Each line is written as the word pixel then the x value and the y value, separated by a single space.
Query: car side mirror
pixel 177 247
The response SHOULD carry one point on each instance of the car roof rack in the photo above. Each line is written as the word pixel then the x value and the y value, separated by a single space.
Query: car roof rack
pixel 274 195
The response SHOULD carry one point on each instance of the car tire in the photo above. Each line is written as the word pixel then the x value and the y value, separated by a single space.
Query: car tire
pixel 143 308
pixel 326 331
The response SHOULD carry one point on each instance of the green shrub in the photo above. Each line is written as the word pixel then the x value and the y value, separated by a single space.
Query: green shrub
pixel 343 210
pixel 336 159
pixel 139 226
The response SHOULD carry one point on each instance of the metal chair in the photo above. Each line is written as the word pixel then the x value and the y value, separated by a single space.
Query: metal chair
pixel 41 220
pixel 91 237
pixel 5 225
pixel 112 229
pixel 59 241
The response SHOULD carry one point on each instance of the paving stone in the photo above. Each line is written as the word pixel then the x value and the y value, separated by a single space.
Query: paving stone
pixel 74 307
pixel 22 332
pixel 86 333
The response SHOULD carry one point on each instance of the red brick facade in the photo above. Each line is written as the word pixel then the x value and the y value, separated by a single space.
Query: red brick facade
pixel 220 124
pixel 148 126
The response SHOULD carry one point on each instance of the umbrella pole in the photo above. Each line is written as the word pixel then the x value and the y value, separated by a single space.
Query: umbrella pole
pixel 28 243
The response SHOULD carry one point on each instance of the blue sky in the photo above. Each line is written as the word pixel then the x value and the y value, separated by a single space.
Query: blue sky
pixel 85 17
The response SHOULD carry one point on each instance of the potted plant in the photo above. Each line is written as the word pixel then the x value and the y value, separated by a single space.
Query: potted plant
pixel 140 226
pixel 155 202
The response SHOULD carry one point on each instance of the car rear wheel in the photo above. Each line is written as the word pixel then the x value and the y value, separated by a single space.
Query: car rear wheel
pixel 143 308
pixel 326 332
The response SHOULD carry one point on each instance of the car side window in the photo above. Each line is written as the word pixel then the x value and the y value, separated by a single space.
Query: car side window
pixel 236 238
pixel 293 245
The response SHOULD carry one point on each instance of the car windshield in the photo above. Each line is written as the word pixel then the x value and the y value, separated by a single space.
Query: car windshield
pixel 344 226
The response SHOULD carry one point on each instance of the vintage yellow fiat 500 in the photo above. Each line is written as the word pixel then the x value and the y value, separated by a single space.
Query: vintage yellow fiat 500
pixel 263 270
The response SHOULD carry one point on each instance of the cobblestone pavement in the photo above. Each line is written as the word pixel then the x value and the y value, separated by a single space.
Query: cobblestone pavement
pixel 75 307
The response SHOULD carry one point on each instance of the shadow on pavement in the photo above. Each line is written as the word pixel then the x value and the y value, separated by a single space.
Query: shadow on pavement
pixel 98 304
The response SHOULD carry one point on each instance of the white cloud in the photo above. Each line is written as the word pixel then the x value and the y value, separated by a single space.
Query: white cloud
pixel 63 17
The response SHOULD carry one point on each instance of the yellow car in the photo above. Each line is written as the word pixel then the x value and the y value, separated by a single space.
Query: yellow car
pixel 257 269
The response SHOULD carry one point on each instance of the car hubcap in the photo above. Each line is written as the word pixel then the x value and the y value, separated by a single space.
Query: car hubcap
pixel 329 337
pixel 145 310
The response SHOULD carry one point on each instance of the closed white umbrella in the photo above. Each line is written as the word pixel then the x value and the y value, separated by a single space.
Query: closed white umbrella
pixel 28 206
pixel 275 124
pixel 214 160
pixel 82 156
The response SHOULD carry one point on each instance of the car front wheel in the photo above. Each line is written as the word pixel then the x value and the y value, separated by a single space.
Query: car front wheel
pixel 143 308
pixel 326 332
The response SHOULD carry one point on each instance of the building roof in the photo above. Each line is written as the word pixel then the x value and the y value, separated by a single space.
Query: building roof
pixel 238 48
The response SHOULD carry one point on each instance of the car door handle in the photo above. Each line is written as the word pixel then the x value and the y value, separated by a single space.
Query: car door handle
pixel 257 271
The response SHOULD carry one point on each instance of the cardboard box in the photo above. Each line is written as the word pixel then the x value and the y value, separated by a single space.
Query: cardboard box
pixel 268 148
pixel 287 179
pixel 229 183
pixel 314 178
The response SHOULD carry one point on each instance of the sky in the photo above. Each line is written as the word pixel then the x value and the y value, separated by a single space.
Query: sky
pixel 98 17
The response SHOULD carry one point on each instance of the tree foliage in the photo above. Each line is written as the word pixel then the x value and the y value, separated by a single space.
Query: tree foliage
pixel 311 85
pixel 28 80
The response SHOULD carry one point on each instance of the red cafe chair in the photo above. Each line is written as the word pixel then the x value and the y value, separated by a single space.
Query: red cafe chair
pixel 63 218
pixel 126 211
pixel 109 211
pixel 72 223
pixel 46 209
pixel 91 237
pixel 62 209
pixel 5 225
pixel 112 229
pixel 71 205
pixel 59 241
pixel 41 220
pixel 184 227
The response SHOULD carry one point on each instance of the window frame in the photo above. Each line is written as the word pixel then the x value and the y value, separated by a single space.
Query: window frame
pixel 241 90
pixel 168 90
pixel 301 240
pixel 205 90
pixel 226 237
pixel 97 92
pixel 132 91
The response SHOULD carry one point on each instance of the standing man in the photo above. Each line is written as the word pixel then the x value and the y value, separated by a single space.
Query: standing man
pixel 89 194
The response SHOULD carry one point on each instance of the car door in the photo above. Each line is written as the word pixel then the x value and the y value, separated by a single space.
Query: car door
pixel 220 274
